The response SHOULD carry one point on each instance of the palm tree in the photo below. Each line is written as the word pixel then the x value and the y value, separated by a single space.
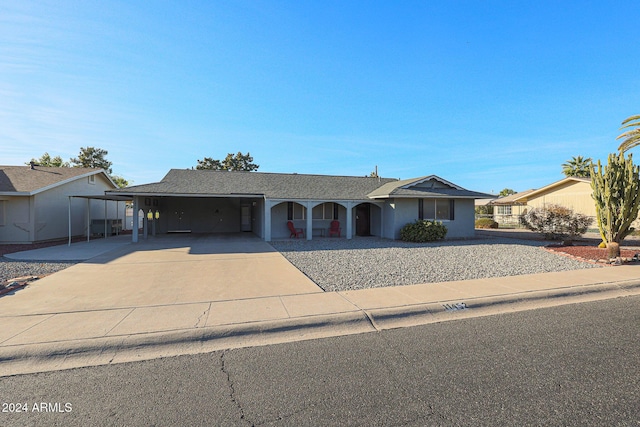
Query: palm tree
pixel 578 167
pixel 630 138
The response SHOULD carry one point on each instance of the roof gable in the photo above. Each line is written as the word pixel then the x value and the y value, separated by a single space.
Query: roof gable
pixel 431 182
pixel 568 181
pixel 431 186
pixel 23 180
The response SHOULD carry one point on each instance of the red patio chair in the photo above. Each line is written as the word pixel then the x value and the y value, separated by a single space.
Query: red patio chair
pixel 334 228
pixel 295 232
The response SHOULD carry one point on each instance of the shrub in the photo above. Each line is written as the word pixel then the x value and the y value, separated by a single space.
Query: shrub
pixel 423 231
pixel 556 222
pixel 486 223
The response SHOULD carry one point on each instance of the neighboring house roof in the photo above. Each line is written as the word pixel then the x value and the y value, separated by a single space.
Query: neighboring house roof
pixel 25 181
pixel 180 182
pixel 551 187
pixel 431 186
pixel 512 199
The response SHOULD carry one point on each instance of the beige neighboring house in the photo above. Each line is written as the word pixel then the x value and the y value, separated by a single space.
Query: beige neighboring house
pixel 47 203
pixel 570 192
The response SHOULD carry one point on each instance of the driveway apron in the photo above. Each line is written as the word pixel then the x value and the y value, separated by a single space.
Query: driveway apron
pixel 164 270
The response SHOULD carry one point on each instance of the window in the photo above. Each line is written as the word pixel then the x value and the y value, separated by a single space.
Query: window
pixel 438 209
pixel 503 210
pixel 326 211
pixel 295 211
pixel 92 179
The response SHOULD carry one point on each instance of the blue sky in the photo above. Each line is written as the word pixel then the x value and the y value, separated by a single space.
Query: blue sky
pixel 485 94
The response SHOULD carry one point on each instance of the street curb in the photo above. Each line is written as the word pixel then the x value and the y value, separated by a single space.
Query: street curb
pixel 421 314
pixel 52 356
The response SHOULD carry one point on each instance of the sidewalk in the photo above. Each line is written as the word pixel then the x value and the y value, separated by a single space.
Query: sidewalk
pixel 45 330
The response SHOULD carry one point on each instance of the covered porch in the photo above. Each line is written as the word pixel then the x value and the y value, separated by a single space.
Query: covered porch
pixel 356 218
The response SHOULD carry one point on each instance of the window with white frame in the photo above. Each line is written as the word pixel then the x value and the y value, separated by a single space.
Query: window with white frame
pixel 92 179
pixel 327 210
pixel 503 210
pixel 438 209
pixel 295 211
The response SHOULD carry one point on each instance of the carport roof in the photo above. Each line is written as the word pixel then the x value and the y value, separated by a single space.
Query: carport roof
pixel 199 183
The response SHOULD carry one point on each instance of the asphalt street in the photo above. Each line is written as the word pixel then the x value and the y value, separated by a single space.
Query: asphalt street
pixel 572 365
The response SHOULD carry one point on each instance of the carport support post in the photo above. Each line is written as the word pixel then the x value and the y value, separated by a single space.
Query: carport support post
pixel 309 232
pixel 349 220
pixel 136 218
pixel 70 220
pixel 88 219
pixel 267 220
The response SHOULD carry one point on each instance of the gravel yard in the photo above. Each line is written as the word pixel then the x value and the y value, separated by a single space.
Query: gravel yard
pixel 10 269
pixel 369 262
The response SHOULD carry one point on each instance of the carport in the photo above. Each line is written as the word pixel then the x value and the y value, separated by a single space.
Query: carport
pixel 164 213
pixel 106 225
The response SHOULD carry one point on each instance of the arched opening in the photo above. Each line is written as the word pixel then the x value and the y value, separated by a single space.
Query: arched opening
pixel 283 212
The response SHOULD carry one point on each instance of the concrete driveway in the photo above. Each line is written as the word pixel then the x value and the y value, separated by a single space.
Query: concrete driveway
pixel 163 270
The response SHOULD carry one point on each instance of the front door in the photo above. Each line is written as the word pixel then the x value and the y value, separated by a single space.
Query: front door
pixel 363 223
pixel 245 218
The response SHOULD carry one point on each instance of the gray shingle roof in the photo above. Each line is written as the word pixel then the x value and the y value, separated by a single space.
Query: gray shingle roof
pixel 23 179
pixel 272 185
pixel 293 186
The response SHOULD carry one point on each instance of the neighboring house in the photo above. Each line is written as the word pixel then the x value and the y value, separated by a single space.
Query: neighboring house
pixel 206 201
pixel 570 192
pixel 508 209
pixel 42 203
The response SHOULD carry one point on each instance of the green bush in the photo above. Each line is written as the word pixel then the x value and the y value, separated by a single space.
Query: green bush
pixel 486 223
pixel 423 231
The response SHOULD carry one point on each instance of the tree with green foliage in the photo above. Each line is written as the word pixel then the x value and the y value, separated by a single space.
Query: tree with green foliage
pixel 630 138
pixel 577 166
pixel 506 192
pixel 119 181
pixel 48 161
pixel 237 162
pixel 616 192
pixel 91 157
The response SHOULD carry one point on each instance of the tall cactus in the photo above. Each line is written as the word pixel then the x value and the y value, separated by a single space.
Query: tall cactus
pixel 616 192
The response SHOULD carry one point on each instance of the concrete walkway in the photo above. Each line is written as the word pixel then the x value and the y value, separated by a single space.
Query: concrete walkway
pixel 174 295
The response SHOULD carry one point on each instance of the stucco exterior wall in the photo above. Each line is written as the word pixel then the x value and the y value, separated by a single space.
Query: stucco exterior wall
pixel 406 211
pixel 45 215
pixel 16 211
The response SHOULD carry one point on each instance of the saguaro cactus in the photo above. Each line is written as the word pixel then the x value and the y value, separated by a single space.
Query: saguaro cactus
pixel 616 192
